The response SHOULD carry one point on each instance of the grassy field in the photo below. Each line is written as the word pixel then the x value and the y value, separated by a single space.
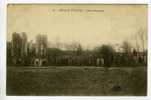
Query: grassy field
pixel 73 81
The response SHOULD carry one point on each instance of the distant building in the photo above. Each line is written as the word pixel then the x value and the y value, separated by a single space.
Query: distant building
pixel 118 48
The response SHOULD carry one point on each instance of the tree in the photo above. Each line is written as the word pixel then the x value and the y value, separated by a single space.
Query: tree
pixel 74 46
pixel 141 39
pixel 106 52
pixel 79 49
pixel 126 47
pixel 127 50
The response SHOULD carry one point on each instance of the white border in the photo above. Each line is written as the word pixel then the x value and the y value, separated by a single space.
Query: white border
pixel 2 48
pixel 3 4
pixel 79 1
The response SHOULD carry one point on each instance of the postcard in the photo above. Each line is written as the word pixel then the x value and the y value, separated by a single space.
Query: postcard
pixel 77 49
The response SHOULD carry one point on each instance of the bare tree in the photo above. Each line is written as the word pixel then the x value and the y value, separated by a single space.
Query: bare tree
pixel 79 49
pixel 74 46
pixel 57 44
pixel 126 47
pixel 141 39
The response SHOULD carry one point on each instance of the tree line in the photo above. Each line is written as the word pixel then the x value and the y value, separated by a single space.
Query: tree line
pixel 75 55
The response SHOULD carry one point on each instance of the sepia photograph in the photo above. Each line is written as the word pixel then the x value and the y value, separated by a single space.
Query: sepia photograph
pixel 77 50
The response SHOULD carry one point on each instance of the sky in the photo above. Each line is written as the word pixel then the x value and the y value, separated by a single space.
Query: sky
pixel 90 25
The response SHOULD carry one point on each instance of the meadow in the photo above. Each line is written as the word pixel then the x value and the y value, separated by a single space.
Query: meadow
pixel 76 81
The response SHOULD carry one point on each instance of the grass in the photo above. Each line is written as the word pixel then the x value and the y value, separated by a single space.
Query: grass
pixel 76 81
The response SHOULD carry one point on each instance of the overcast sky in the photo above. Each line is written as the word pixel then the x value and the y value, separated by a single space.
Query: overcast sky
pixel 109 24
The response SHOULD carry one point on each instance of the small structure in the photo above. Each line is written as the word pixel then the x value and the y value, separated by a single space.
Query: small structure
pixel 40 62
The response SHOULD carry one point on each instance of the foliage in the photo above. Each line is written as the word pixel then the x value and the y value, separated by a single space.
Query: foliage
pixel 106 52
